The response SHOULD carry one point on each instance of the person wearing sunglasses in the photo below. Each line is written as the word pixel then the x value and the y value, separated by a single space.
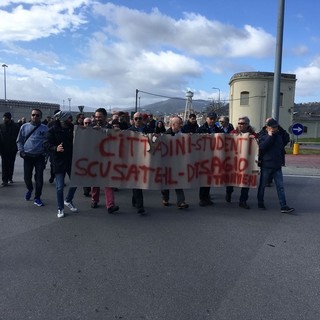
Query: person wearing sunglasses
pixel 137 194
pixel 242 127
pixel 208 127
pixel 225 124
pixel 30 145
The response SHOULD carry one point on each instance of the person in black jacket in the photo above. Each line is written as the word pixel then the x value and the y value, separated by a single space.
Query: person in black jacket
pixel 271 155
pixel 9 131
pixel 137 195
pixel 191 126
pixel 208 127
pixel 160 127
pixel 59 141
pixel 285 138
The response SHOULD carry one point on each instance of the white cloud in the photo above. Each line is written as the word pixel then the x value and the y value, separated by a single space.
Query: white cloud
pixel 100 53
pixel 39 19
pixel 195 34
pixel 308 79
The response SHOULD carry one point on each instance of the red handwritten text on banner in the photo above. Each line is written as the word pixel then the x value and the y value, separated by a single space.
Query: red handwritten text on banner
pixel 127 159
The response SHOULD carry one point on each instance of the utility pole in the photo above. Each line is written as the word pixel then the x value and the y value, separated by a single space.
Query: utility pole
pixel 136 106
pixel 218 96
pixel 4 66
pixel 69 99
pixel 278 62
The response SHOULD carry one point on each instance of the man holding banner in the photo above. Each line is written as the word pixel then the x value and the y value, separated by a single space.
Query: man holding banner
pixel 137 195
pixel 208 127
pixel 175 129
pixel 100 123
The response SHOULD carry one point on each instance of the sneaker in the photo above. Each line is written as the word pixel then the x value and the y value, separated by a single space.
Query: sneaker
pixel 60 213
pixel 183 205
pixel 165 203
pixel 38 202
pixel 28 195
pixel 286 209
pixel 113 209
pixel 4 184
pixel 10 181
pixel 70 206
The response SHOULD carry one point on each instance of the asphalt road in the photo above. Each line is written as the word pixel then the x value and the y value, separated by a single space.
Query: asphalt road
pixel 219 262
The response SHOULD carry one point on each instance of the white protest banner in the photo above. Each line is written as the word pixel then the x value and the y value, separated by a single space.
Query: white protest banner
pixel 127 159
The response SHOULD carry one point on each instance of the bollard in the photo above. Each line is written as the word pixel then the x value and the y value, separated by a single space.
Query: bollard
pixel 295 148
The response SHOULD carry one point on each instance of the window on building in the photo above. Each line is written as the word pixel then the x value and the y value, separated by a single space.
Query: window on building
pixel 281 100
pixel 244 98
pixel 305 129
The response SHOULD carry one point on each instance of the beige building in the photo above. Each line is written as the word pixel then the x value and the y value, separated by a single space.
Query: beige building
pixel 251 95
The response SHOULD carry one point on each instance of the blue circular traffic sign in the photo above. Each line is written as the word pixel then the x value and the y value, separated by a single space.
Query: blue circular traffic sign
pixel 297 129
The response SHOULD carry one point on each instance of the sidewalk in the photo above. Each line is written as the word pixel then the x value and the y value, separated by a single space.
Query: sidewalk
pixel 308 165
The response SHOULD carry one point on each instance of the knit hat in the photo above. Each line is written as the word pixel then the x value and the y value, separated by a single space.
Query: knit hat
pixel 7 115
pixel 63 115
pixel 272 123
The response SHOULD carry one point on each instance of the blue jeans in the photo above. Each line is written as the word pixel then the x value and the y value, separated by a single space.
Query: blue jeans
pixel 60 187
pixel 276 174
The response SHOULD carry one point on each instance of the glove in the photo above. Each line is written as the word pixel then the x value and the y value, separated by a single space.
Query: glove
pixel 22 154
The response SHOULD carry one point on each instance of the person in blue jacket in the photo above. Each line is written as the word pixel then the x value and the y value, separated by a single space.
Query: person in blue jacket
pixel 30 145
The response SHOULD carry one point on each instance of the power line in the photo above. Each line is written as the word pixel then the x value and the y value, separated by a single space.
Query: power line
pixel 178 98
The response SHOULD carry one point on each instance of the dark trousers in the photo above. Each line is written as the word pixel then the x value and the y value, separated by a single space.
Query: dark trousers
pixel 38 164
pixel 204 193
pixel 244 194
pixel 7 164
pixel 179 193
pixel 137 198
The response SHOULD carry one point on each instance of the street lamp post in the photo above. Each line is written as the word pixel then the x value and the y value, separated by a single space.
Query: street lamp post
pixel 218 95
pixel 4 66
pixel 69 99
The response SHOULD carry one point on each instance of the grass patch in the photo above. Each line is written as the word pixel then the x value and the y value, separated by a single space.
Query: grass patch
pixel 308 139
pixel 304 151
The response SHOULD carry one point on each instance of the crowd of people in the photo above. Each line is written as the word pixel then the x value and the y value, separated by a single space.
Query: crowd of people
pixel 51 140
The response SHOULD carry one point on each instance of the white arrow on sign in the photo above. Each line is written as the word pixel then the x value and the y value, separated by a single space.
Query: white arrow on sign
pixel 297 129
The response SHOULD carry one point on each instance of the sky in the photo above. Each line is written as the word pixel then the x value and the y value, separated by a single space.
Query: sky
pixel 98 53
